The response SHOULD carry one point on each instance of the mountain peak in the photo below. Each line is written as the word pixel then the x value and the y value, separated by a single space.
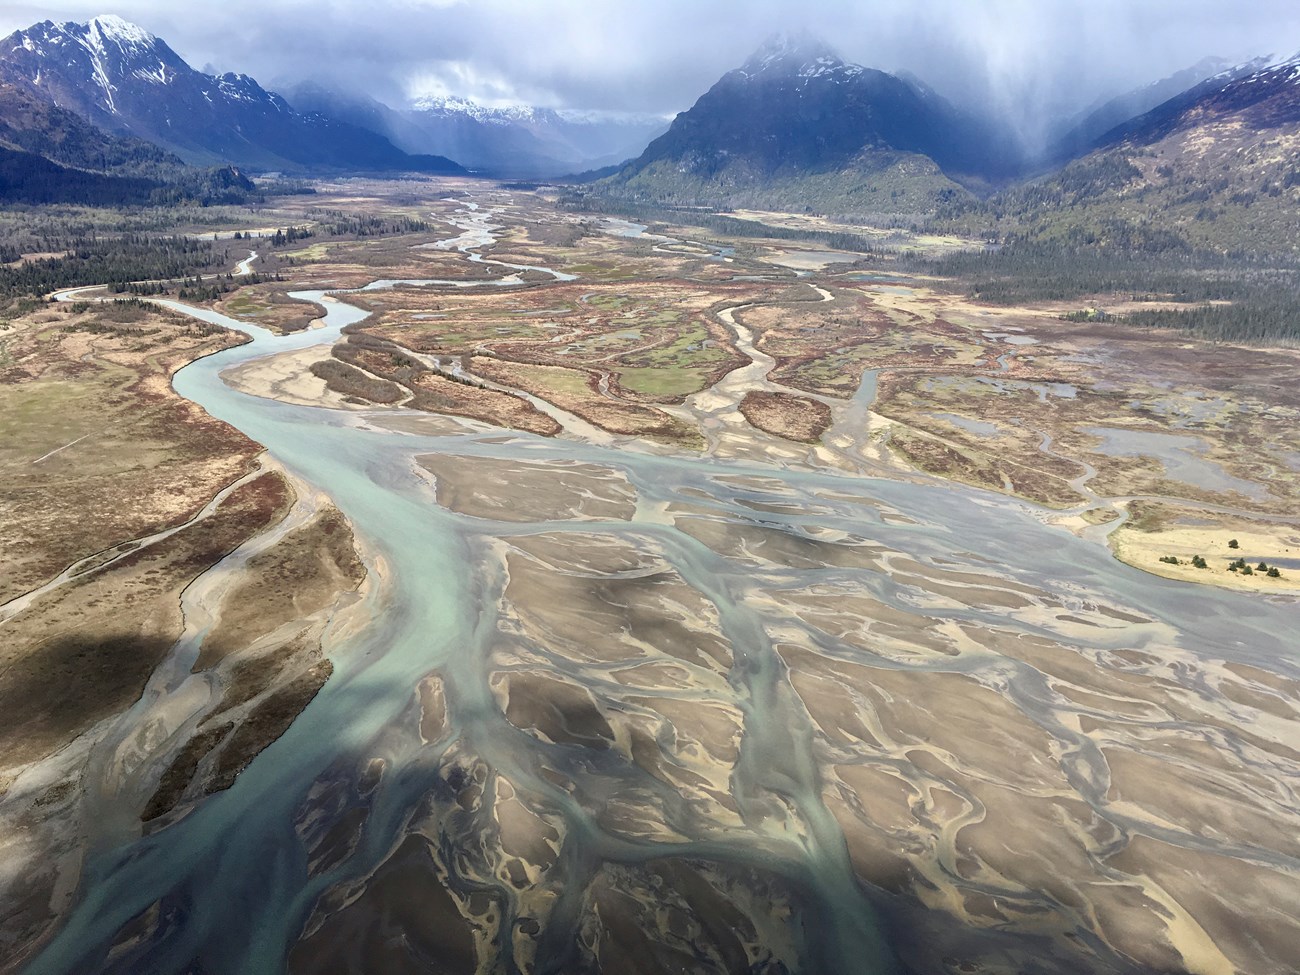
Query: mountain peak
pixel 451 105
pixel 792 49
pixel 796 55
pixel 122 78
pixel 123 33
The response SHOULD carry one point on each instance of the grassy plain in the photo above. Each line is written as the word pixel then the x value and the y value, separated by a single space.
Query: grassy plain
pixel 94 437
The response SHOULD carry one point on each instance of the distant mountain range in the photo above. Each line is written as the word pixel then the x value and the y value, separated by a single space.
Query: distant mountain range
pixel 794 127
pixel 515 141
pixel 80 94
pixel 125 81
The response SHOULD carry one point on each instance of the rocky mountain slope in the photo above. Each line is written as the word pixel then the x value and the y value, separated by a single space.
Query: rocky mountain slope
pixel 796 126
pixel 1215 167
pixel 126 81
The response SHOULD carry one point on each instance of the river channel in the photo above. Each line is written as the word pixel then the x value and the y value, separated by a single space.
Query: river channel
pixel 233 876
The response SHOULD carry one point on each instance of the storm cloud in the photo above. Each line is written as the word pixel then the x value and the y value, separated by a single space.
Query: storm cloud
pixel 1026 60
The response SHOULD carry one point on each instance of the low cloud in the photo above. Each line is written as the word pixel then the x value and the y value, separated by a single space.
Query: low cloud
pixel 1025 60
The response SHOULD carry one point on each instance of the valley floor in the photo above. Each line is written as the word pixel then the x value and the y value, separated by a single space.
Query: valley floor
pixel 672 602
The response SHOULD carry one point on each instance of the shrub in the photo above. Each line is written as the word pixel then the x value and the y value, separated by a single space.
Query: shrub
pixel 348 381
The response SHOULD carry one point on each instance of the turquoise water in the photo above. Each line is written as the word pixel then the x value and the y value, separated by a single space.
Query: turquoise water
pixel 232 875
pixel 236 862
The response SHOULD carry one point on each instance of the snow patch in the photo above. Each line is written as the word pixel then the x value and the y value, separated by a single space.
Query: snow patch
pixel 240 88
pixel 1260 70
pixel 123 33
pixel 158 74
pixel 454 105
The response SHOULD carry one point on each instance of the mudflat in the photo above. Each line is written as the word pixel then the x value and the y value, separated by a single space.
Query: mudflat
pixel 713 613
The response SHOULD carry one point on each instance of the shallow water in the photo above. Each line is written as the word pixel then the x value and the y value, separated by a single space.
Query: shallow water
pixel 234 869
pixel 1044 391
pixel 981 428
pixel 1182 457
pixel 814 260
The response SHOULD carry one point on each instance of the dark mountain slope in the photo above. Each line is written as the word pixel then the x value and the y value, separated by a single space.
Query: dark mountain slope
pixel 124 80
pixel 30 123
pixel 28 178
pixel 79 153
pixel 1217 167
pixel 800 127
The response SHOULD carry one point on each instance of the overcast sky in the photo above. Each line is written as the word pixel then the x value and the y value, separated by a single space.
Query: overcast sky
pixel 1025 58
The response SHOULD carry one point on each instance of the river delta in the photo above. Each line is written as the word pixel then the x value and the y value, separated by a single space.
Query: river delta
pixel 659 681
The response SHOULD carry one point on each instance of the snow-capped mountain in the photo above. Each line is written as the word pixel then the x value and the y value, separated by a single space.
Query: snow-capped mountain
pixel 801 57
pixel 795 110
pixel 1081 133
pixel 529 140
pixel 533 115
pixel 489 115
pixel 125 80
pixel 1260 94
pixel 513 140
pixel 91 58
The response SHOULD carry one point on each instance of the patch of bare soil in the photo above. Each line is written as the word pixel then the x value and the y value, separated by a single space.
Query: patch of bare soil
pixel 85 650
pixel 783 415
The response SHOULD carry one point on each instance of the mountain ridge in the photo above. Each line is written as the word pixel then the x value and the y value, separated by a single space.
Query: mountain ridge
pixel 1275 85
pixel 514 141
pixel 1088 127
pixel 1214 169
pixel 795 111
pixel 126 81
